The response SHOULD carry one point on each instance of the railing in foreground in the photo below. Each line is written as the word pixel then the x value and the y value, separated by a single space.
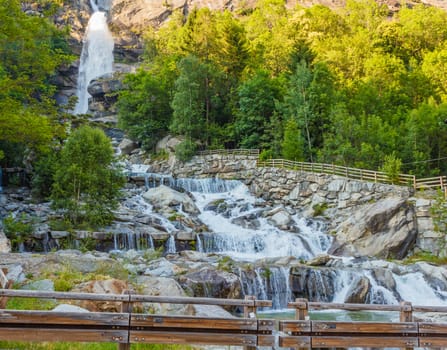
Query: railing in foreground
pixel 127 327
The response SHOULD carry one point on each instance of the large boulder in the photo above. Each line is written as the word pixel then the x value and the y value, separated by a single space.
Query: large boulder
pixel 165 199
pixel 212 283
pixel 385 229
pixel 110 286
pixel 358 291
pixel 166 287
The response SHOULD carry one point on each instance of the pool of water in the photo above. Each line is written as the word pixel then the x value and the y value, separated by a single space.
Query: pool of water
pixel 334 315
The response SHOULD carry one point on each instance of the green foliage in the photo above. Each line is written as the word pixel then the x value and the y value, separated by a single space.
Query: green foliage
pixel 293 144
pixel 87 346
pixel 16 303
pixel 31 49
pixel 225 263
pixel 359 84
pixel 266 154
pixel 392 167
pixel 17 230
pixel 319 209
pixel 143 108
pixel 86 183
pixel 185 150
pixel 426 257
pixel 438 212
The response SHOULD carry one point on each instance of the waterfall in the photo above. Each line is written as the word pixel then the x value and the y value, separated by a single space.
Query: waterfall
pixel 170 245
pixel 271 283
pixel 199 244
pixel 96 56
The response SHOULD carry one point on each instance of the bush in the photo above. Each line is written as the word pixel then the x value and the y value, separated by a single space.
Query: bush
pixel 185 150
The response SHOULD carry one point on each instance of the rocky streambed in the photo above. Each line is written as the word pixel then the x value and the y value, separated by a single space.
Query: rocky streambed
pixel 212 238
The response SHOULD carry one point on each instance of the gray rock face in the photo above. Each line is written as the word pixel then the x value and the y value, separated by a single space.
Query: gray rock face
pixel 209 282
pixel 166 199
pixel 5 245
pixel 385 229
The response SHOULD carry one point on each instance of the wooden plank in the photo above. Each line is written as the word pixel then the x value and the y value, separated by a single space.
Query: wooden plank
pixel 295 326
pixel 350 306
pixel 402 328
pixel 191 300
pixel 152 321
pixel 376 342
pixel 64 318
pixel 195 338
pixel 266 325
pixel 62 295
pixel 266 340
pixel 294 342
pixel 433 342
pixel 432 328
pixel 63 335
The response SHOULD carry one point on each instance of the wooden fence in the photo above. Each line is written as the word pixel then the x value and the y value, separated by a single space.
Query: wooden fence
pixel 127 327
pixel 438 182
pixel 237 152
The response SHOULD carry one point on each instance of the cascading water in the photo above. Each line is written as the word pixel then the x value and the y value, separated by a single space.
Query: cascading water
pixel 96 56
pixel 239 226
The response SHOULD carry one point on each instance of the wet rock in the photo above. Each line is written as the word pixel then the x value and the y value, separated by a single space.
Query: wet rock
pixel 319 260
pixel 212 283
pixel 165 199
pixel 358 291
pixel 127 146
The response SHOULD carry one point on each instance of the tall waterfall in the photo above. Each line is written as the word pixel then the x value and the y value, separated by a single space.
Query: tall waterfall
pixel 96 56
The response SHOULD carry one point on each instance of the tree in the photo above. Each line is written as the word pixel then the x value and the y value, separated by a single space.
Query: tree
pixel 31 48
pixel 293 143
pixel 86 182
pixel 255 106
pixel 143 108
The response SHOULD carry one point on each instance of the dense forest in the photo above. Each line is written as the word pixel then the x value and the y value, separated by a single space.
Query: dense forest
pixel 355 86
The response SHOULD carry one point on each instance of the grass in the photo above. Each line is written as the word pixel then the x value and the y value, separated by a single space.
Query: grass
pixel 87 346
pixel 426 257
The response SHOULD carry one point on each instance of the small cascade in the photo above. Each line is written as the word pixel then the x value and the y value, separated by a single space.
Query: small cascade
pixel 268 283
pixel 130 240
pixel 199 244
pixel 210 185
pixel 170 245
pixel 414 287
pixel 96 56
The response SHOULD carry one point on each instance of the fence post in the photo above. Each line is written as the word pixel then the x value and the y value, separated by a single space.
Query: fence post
pixel 406 312
pixel 250 312
pixel 4 284
pixel 126 307
pixel 301 309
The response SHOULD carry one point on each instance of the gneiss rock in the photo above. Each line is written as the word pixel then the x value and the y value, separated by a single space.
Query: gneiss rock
pixel 385 229
pixel 165 198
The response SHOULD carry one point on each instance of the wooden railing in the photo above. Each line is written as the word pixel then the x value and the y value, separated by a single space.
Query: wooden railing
pixel 128 327
pixel 237 152
pixel 303 333
pixel 438 182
